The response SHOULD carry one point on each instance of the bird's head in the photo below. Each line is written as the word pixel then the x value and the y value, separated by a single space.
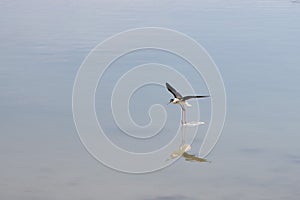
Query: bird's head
pixel 171 101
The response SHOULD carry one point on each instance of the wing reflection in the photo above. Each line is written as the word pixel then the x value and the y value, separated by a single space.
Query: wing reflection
pixel 190 157
pixel 184 148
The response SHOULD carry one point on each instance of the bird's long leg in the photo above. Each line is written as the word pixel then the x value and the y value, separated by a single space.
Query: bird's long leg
pixel 183 115
pixel 183 133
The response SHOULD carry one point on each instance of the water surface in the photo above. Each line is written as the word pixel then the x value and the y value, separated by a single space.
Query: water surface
pixel 256 46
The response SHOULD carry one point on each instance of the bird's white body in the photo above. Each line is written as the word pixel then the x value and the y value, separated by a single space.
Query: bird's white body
pixel 183 103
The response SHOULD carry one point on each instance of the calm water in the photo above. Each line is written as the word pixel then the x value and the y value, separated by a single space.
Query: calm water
pixel 256 46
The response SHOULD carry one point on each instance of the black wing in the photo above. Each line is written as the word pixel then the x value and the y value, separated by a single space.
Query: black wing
pixel 173 91
pixel 191 97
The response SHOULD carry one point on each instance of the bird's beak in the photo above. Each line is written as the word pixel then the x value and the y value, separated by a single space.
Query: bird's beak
pixel 168 103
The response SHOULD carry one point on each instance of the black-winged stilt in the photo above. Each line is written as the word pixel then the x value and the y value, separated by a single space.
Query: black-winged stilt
pixel 182 101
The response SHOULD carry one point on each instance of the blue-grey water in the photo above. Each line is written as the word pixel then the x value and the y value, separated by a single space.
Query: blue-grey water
pixel 256 45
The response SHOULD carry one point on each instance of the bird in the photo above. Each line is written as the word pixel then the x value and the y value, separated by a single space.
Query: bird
pixel 182 101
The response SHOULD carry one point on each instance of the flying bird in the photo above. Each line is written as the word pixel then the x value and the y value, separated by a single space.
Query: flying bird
pixel 180 100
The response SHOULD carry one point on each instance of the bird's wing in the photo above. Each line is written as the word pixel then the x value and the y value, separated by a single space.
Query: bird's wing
pixel 173 91
pixel 191 97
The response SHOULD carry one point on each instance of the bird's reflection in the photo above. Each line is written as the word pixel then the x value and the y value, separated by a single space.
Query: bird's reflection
pixel 184 148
